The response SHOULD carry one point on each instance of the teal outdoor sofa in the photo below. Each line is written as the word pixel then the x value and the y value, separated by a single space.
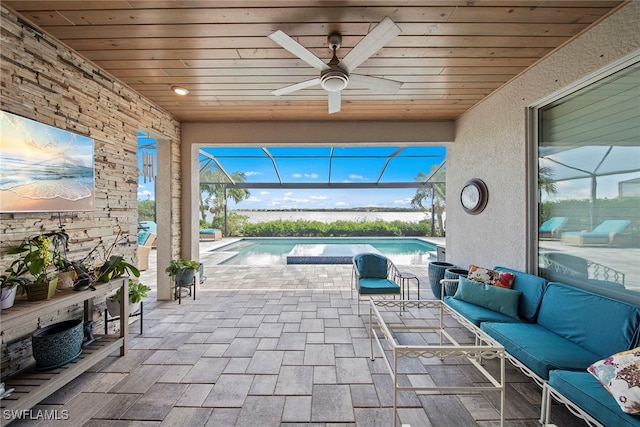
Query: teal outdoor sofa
pixel 555 327
pixel 580 390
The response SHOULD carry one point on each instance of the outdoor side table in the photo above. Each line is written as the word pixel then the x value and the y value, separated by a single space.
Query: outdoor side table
pixel 405 279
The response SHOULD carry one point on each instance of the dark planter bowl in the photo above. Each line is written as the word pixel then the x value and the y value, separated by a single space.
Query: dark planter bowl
pixel 436 273
pixel 185 277
pixel 58 344
pixel 450 288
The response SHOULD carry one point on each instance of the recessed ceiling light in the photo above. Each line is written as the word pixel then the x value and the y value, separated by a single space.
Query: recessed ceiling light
pixel 180 90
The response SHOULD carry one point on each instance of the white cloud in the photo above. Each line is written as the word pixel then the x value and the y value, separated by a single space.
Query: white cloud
pixel 341 204
pixel 252 173
pixel 253 199
pixel 306 175
pixel 264 193
pixel 288 193
pixel 145 195
pixel 357 177
pixel 405 201
pixel 318 197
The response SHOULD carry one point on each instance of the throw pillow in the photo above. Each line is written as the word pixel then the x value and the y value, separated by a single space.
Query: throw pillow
pixel 491 277
pixel 620 375
pixel 502 300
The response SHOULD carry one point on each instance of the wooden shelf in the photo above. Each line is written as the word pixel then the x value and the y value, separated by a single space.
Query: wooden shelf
pixel 24 310
pixel 32 386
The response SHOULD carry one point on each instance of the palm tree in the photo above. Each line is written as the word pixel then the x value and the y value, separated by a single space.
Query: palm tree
pixel 545 180
pixel 435 193
pixel 212 190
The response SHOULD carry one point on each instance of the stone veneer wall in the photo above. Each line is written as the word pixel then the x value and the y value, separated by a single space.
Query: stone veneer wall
pixel 43 80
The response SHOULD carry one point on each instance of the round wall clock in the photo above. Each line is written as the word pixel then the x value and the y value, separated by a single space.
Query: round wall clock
pixel 474 196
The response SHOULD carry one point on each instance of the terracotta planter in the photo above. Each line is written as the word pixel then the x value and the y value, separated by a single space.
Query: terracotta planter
pixel 436 273
pixel 58 344
pixel 40 291
pixel 7 297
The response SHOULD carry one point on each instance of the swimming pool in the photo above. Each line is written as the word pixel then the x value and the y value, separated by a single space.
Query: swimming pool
pixel 273 251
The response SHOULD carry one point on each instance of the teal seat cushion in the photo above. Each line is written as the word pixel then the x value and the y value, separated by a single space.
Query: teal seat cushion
pixel 142 237
pixel 585 391
pixel 371 286
pixel 538 348
pixel 208 230
pixel 599 324
pixel 475 313
pixel 532 288
pixel 494 298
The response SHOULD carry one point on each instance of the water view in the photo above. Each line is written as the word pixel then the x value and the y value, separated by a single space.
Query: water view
pixel 273 251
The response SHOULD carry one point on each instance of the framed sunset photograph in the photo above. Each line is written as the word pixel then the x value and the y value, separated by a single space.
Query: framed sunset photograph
pixel 43 168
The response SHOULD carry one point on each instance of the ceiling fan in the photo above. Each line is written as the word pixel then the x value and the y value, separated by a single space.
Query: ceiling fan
pixel 336 75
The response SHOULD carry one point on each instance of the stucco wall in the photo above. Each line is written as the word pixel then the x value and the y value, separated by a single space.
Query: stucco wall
pixel 44 81
pixel 491 144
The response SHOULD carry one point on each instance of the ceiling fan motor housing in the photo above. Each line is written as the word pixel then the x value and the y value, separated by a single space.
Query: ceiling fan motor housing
pixel 335 78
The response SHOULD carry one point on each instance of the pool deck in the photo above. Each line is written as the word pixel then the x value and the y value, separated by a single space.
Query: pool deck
pixel 277 346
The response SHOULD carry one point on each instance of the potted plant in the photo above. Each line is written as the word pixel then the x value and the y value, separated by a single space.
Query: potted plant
pixel 184 270
pixel 115 267
pixel 9 283
pixel 137 291
pixel 37 260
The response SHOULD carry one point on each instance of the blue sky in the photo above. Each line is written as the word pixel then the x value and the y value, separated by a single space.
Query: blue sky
pixel 321 165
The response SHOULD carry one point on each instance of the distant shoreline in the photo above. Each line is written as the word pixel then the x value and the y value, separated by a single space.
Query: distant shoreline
pixel 330 215
pixel 363 209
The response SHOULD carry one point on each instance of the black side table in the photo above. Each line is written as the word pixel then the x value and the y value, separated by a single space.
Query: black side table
pixel 405 279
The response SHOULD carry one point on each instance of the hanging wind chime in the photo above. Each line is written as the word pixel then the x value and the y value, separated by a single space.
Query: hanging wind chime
pixel 148 167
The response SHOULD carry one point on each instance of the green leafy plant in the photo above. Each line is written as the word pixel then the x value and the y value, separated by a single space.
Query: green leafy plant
pixel 137 291
pixel 11 279
pixel 178 265
pixel 115 267
pixel 38 255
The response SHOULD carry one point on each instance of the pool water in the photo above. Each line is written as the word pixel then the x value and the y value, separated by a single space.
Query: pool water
pixel 273 251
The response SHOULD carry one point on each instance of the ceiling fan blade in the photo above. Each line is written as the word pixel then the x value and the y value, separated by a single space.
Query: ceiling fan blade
pixel 335 101
pixel 382 34
pixel 302 85
pixel 374 83
pixel 298 50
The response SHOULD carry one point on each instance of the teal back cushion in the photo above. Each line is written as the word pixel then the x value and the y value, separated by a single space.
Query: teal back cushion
pixel 502 300
pixel 371 266
pixel 599 324
pixel 532 288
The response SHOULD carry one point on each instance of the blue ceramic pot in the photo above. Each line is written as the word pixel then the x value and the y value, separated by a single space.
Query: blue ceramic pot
pixel 450 288
pixel 58 344
pixel 436 273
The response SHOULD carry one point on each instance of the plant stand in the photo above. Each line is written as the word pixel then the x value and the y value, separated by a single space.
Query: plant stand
pixel 185 279
pixel 32 386
pixel 108 320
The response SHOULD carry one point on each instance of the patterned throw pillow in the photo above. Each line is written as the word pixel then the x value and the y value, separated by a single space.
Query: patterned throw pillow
pixel 491 277
pixel 620 375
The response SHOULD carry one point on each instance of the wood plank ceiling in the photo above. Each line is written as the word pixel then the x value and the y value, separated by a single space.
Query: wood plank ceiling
pixel 450 55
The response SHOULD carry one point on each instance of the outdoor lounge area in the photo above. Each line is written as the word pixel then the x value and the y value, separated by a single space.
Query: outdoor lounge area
pixel 491 121
pixel 275 346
